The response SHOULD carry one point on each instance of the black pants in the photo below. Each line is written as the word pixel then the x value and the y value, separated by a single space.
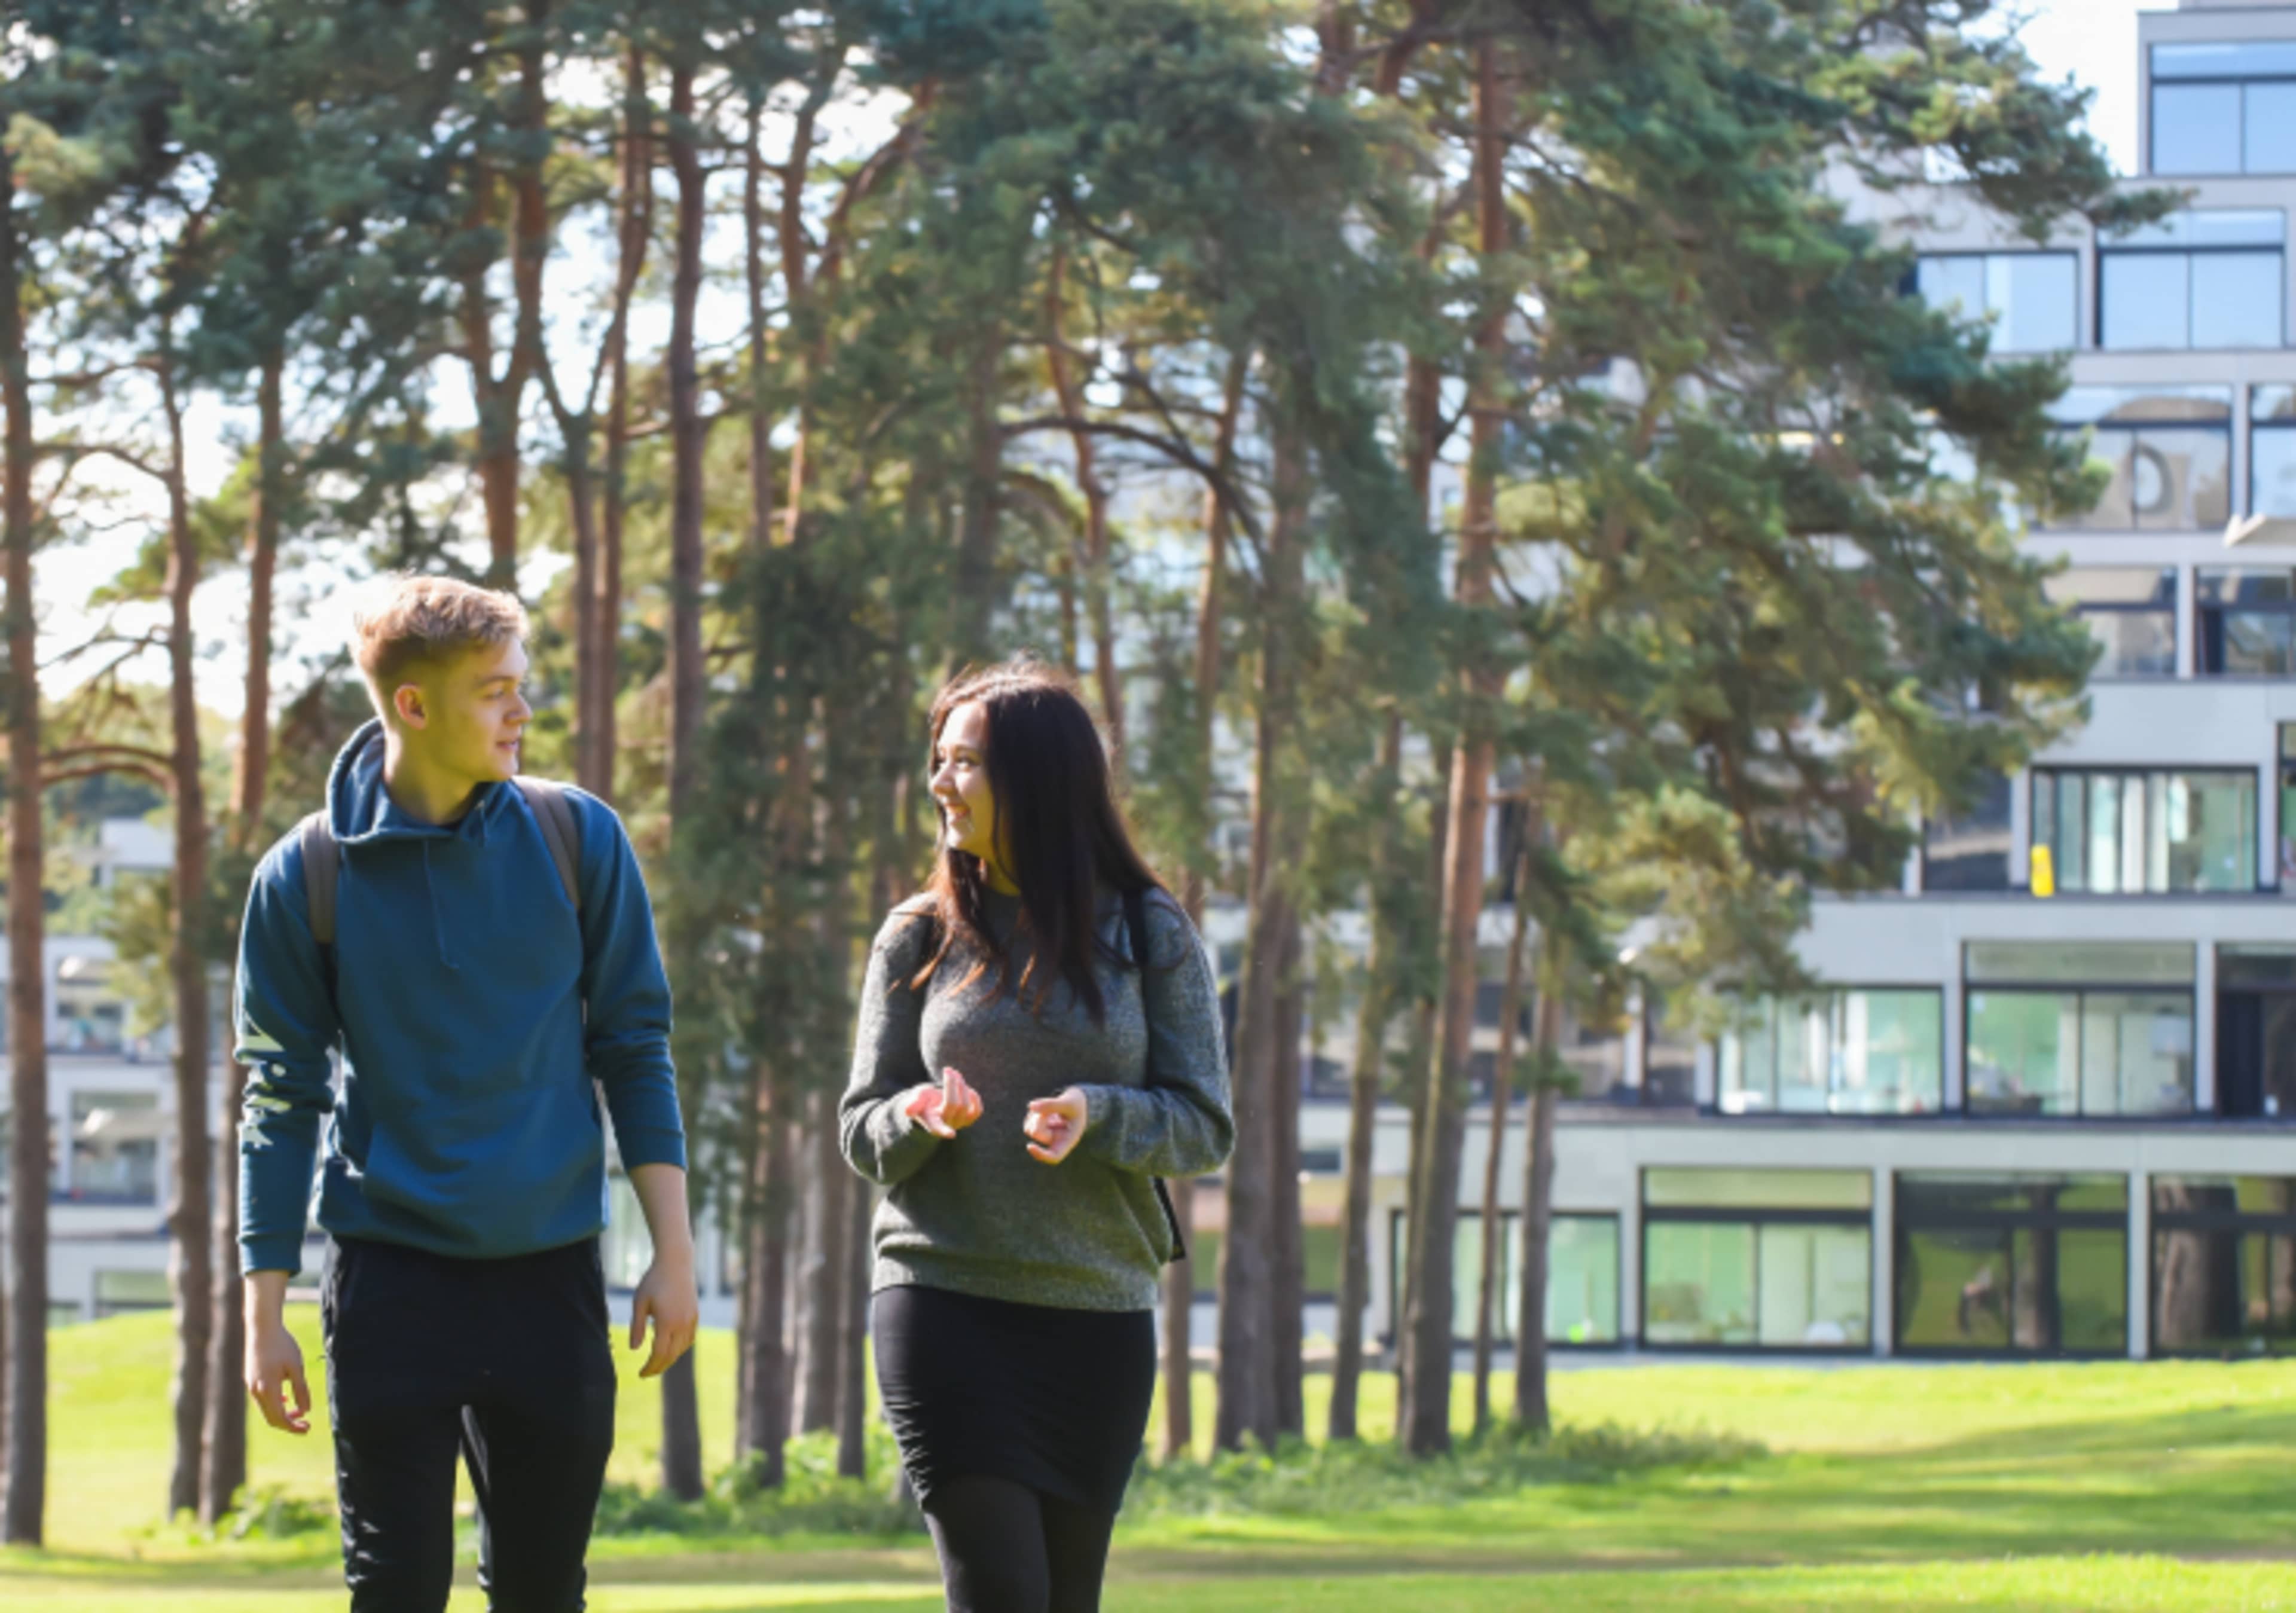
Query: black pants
pixel 505 1363
pixel 1006 1548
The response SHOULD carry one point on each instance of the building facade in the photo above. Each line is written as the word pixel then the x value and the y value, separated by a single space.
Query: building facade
pixel 2042 1105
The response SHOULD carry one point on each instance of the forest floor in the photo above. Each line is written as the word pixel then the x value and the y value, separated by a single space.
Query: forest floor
pixel 2057 1486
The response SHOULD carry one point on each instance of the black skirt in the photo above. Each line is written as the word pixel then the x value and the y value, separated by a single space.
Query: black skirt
pixel 1054 1399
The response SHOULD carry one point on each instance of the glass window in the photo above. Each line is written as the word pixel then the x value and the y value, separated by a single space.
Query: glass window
pixel 1697 1282
pixel 2145 299
pixel 2196 128
pixel 2235 119
pixel 2272 451
pixel 1582 1275
pixel 2245 622
pixel 1854 1053
pixel 115 1147
pixel 1688 1189
pixel 2164 455
pixel 2236 300
pixel 2115 962
pixel 2080 1053
pixel 1582 1281
pixel 2195 279
pixel 1816 1287
pixel 2130 611
pixel 1669 1059
pixel 1969 850
pixel 2031 297
pixel 2218 59
pixel 2223 1266
pixel 2033 1267
pixel 2141 833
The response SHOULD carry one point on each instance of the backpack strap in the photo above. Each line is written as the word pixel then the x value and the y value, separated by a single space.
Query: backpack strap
pixel 322 857
pixel 1135 929
pixel 561 832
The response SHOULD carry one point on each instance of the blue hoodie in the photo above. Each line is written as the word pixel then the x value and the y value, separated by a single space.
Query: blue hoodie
pixel 467 1124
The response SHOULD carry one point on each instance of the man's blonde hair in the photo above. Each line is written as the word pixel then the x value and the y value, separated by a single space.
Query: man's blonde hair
pixel 409 622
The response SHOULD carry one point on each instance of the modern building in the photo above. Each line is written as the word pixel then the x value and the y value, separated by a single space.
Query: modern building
pixel 2043 1105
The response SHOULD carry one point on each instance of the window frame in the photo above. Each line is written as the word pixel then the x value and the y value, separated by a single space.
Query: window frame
pixel 2155 80
pixel 2033 820
pixel 2242 1224
pixel 2080 991
pixel 2260 425
pixel 2081 609
pixel 2202 608
pixel 1984 258
pixel 2189 251
pixel 1904 1226
pixel 1835 990
pixel 2136 428
pixel 1754 1217
pixel 1397 1224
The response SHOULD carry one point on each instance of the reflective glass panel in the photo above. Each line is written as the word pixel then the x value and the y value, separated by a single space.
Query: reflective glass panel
pixel 1952 1288
pixel 1955 281
pixel 1582 1280
pixel 2147 299
pixel 2268 122
pixel 2236 300
pixel 2022 1052
pixel 2098 963
pixel 1816 1286
pixel 115 1147
pixel 1697 1282
pixel 2224 1292
pixel 2234 59
pixel 2137 1053
pixel 1666 1188
pixel 2034 295
pixel 2196 128
pixel 2272 471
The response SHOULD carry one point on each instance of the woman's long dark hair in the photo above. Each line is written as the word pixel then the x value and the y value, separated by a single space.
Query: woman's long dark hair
pixel 1060 834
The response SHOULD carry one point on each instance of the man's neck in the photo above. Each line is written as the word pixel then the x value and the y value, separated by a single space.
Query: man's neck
pixel 422 793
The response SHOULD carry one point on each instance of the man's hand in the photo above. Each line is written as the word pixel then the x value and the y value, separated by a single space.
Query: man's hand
pixel 946 1110
pixel 1054 1125
pixel 667 1295
pixel 274 1361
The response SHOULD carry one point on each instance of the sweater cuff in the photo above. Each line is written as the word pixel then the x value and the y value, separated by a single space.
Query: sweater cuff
pixel 650 1145
pixel 1102 1105
pixel 900 1139
pixel 271 1252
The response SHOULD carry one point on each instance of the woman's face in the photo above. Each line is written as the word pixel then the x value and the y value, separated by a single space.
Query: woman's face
pixel 960 782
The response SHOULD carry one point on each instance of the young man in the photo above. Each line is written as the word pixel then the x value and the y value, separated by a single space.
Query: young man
pixel 463 1184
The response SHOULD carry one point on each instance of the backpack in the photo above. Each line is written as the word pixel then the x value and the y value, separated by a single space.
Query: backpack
pixel 323 858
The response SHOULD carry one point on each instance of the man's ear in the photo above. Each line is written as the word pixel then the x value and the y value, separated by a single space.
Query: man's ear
pixel 407 702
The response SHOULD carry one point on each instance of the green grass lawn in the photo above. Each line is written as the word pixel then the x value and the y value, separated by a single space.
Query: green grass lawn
pixel 2164 1486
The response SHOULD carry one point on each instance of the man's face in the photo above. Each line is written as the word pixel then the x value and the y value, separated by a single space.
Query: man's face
pixel 466 717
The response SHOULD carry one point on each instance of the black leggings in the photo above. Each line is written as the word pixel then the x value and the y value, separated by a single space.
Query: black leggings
pixel 1006 1548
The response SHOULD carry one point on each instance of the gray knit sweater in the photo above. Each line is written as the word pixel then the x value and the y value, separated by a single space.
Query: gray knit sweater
pixel 979 1214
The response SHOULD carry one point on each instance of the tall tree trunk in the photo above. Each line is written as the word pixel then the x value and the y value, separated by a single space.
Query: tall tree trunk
pixel 1423 1408
pixel 1286 1254
pixel 1502 1097
pixel 821 1269
pixel 1530 1409
pixel 1248 1325
pixel 764 1367
pixel 188 1214
pixel 753 265
pixel 634 230
pixel 1425 969
pixel 27 1405
pixel 224 1471
pixel 1095 578
pixel 1373 1015
pixel 976 544
pixel 681 1423
pixel 1180 1277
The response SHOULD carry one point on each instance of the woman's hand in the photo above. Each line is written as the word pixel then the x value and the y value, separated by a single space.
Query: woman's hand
pixel 1054 1125
pixel 946 1110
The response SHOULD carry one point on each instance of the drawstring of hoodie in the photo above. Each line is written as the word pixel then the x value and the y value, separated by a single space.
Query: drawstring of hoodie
pixel 437 917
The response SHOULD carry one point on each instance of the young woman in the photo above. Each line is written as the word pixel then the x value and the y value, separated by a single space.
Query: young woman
pixel 1020 1082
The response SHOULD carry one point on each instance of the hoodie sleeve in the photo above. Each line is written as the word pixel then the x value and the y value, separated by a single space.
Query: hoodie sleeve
pixel 880 1142
pixel 1180 1124
pixel 284 1029
pixel 626 994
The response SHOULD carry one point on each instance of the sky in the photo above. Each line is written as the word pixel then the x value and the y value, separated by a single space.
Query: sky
pixel 2092 43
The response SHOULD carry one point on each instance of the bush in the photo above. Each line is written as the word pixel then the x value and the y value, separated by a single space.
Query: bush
pixel 812 1500
pixel 1298 1478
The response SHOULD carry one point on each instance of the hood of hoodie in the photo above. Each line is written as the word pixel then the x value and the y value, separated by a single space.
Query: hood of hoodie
pixel 360 810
